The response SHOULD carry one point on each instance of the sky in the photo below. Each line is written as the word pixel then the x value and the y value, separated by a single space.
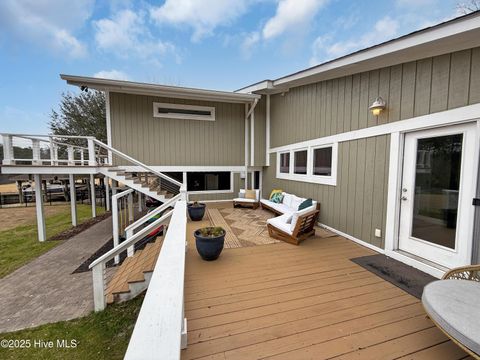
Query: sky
pixel 212 44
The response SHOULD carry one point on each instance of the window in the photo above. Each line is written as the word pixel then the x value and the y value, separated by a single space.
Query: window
pixel 285 163
pixel 209 181
pixel 322 161
pixel 182 111
pixel 314 163
pixel 300 162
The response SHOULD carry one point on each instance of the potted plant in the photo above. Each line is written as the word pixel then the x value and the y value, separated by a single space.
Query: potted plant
pixel 209 241
pixel 196 211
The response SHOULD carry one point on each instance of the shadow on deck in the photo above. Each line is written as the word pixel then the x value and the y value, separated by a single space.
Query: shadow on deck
pixel 302 302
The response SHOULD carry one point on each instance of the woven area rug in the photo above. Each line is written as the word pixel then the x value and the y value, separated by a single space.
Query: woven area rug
pixel 244 227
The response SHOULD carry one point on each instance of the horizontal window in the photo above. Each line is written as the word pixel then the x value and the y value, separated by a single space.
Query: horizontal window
pixel 313 164
pixel 209 181
pixel 182 111
pixel 285 163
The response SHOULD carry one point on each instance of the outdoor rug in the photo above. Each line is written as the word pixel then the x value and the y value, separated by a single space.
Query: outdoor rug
pixel 399 274
pixel 244 227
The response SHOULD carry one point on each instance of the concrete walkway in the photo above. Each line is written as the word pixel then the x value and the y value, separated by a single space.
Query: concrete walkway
pixel 45 291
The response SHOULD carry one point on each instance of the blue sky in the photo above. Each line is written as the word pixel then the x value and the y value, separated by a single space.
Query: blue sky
pixel 218 44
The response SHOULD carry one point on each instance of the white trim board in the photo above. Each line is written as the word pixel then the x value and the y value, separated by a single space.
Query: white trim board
pixel 353 238
pixel 448 117
pixel 108 124
pixel 188 168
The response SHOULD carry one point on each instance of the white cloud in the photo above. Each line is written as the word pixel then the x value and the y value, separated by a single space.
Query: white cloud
pixel 126 34
pixel 202 16
pixel 291 14
pixel 49 23
pixel 249 41
pixel 111 74
pixel 323 48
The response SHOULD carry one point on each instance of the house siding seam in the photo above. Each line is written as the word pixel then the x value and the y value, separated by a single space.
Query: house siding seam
pixel 357 204
pixel 177 142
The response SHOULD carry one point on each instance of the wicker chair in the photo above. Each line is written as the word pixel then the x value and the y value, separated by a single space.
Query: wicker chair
pixel 465 273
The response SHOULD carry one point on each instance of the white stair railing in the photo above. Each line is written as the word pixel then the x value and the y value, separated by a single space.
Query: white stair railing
pixel 130 229
pixel 161 328
pixel 99 265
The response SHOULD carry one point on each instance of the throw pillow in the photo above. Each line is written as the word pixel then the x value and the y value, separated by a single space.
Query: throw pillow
pixel 241 194
pixel 287 200
pixel 250 194
pixel 306 204
pixel 274 191
pixel 277 198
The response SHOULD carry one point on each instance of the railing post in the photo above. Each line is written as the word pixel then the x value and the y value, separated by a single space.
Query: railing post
pixel 183 193
pixel 130 249
pixel 98 286
pixel 7 150
pixel 115 225
pixel 36 152
pixel 51 151
pixel 91 152
pixel 82 157
pixel 71 157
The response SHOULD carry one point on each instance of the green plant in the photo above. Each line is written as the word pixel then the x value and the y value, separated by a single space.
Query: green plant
pixel 211 231
pixel 196 204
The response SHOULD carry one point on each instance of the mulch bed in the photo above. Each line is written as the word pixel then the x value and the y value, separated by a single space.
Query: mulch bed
pixel 67 234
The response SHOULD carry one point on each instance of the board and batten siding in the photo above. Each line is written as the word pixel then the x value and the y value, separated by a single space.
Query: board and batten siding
pixel 411 89
pixel 177 142
pixel 357 204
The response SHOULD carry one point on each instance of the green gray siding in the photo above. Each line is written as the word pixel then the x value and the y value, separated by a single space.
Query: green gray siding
pixel 357 204
pixel 340 105
pixel 165 142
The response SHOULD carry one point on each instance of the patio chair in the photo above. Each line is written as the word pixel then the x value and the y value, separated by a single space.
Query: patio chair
pixel 241 200
pixel 295 232
pixel 452 305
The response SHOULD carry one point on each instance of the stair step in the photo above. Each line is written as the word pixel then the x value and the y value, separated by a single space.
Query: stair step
pixel 133 270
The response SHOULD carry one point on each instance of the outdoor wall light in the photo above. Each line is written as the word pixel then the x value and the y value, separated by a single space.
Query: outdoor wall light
pixel 377 106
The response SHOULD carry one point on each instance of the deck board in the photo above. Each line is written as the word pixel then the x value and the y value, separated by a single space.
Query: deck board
pixel 281 301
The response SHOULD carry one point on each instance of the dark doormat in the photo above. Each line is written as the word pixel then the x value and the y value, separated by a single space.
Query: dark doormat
pixel 399 274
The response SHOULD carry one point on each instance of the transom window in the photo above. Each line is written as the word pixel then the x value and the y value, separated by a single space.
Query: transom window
pixel 315 164
pixel 182 111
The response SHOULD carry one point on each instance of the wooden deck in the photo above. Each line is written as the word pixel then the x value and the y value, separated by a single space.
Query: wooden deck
pixel 302 302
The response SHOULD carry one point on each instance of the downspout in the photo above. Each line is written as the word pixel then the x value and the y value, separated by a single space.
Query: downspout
pixel 248 113
pixel 267 131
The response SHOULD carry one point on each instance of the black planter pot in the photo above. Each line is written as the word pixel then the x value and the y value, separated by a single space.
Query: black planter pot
pixel 209 248
pixel 196 212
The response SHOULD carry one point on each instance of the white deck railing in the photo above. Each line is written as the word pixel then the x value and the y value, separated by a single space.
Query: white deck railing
pixel 161 329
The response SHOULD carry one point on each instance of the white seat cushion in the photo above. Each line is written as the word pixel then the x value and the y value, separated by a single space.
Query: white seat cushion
pixel 296 201
pixel 280 222
pixel 281 208
pixel 453 304
pixel 244 200
pixel 287 200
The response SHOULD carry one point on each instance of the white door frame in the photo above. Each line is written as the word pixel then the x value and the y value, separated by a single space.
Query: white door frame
pixel 395 182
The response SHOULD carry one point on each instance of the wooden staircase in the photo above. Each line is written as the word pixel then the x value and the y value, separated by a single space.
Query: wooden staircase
pixel 147 184
pixel 133 275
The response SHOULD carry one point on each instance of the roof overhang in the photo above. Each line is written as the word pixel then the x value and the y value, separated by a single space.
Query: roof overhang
pixel 454 35
pixel 129 87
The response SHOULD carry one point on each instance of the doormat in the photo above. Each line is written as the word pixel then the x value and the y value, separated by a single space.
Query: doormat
pixel 399 274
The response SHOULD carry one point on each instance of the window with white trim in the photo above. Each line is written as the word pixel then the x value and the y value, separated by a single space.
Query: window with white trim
pixel 314 164
pixel 285 163
pixel 183 111
pixel 300 162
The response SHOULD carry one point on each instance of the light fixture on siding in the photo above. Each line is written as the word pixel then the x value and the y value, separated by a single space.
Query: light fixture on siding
pixel 377 106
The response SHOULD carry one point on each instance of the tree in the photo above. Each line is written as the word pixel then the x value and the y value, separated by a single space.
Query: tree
pixel 80 115
pixel 468 7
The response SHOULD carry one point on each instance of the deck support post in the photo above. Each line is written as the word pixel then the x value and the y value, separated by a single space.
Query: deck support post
pixel 98 287
pixel 140 206
pixel 42 233
pixel 130 208
pixel 73 198
pixel 7 150
pixel 107 193
pixel 92 196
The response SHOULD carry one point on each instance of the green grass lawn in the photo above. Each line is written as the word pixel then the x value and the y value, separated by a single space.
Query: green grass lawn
pixel 20 245
pixel 102 335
